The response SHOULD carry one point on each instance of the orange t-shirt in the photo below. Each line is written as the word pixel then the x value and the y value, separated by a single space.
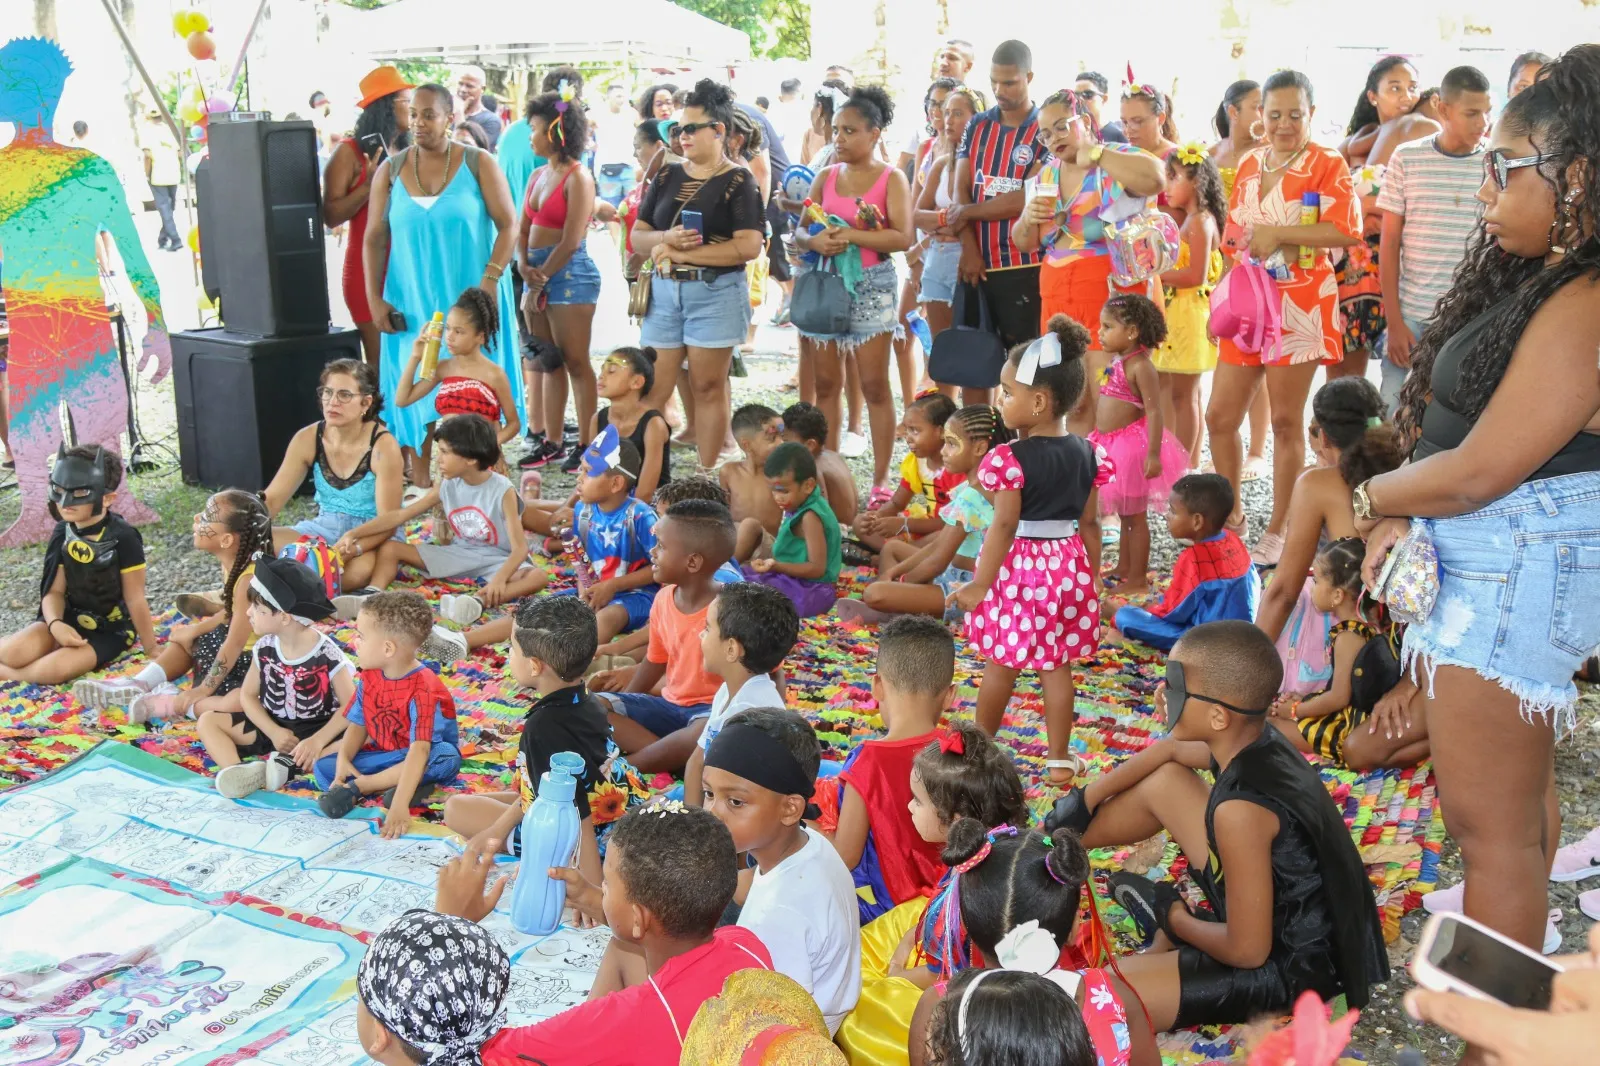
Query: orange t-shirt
pixel 675 643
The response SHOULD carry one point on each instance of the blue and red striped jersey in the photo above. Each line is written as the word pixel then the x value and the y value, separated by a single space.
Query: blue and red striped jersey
pixel 1001 158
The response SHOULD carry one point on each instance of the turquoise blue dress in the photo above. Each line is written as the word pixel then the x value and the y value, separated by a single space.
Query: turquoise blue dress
pixel 435 253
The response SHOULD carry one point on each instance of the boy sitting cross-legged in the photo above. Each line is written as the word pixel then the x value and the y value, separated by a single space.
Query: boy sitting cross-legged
pixel 298 681
pixel 551 646
pixel 402 736
pixel 1292 908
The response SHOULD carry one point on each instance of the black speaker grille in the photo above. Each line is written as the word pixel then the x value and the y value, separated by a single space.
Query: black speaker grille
pixel 291 166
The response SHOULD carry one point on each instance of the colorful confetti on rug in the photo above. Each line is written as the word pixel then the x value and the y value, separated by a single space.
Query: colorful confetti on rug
pixel 1394 816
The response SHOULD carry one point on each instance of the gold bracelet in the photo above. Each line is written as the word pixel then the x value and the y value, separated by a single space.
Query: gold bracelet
pixel 497 268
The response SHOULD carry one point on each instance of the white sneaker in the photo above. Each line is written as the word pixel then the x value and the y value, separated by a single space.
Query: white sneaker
pixel 98 694
pixel 158 704
pixel 444 645
pixel 243 779
pixel 852 445
pixel 462 610
pixel 345 608
pixel 1445 900
pixel 1552 933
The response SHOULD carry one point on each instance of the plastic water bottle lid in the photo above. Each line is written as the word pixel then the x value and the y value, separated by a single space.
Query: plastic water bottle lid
pixel 557 786
pixel 567 762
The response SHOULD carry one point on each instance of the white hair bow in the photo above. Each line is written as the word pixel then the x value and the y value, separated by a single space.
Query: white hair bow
pixel 1029 948
pixel 1043 351
pixel 839 97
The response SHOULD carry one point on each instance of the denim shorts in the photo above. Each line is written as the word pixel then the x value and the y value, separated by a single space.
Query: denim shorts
pixel 331 526
pixel 939 262
pixel 702 314
pixel 656 713
pixel 871 308
pixel 635 601
pixel 576 283
pixel 952 578
pixel 1518 586
pixel 612 190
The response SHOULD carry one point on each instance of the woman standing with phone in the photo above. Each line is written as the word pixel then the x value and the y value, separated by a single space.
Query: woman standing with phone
pixel 384 126
pixel 441 221
pixel 699 299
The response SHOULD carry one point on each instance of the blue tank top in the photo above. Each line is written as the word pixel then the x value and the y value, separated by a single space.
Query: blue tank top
pixel 355 494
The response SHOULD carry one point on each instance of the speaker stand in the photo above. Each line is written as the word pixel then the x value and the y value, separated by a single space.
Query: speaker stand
pixel 144 456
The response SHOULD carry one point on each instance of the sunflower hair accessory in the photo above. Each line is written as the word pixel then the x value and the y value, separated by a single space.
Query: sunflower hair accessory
pixel 1192 154
pixel 567 94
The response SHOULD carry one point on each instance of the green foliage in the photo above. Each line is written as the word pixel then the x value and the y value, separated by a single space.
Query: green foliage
pixel 423 71
pixel 776 28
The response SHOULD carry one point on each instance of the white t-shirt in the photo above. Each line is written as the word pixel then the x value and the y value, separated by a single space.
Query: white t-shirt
pixel 804 910
pixel 758 691
pixel 613 136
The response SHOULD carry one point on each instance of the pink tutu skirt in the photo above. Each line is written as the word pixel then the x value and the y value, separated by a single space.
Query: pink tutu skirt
pixel 1042 611
pixel 1130 492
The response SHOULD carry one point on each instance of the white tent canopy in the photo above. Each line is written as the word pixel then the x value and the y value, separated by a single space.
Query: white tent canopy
pixel 516 35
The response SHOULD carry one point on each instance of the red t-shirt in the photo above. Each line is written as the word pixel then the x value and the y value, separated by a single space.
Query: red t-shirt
pixel 398 712
pixel 639 1026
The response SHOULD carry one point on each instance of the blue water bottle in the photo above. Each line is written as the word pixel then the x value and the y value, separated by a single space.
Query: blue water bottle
pixel 919 329
pixel 549 837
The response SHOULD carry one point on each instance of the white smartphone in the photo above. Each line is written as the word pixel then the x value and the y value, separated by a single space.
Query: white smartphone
pixel 1458 954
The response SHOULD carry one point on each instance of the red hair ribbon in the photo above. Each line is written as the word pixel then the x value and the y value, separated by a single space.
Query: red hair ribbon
pixel 952 742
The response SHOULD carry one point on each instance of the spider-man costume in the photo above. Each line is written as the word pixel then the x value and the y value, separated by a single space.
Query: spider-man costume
pixel 1213 579
pixel 400 711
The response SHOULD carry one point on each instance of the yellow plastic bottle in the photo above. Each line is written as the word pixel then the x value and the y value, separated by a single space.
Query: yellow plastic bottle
pixel 430 344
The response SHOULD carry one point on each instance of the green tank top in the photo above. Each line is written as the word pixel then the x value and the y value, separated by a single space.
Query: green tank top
pixel 790 544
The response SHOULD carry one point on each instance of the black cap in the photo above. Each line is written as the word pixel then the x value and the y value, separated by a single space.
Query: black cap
pixel 292 588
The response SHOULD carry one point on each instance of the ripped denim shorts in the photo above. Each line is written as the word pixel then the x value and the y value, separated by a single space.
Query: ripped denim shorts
pixel 1519 594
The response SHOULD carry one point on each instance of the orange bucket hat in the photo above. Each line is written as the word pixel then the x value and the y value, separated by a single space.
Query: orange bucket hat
pixel 380 83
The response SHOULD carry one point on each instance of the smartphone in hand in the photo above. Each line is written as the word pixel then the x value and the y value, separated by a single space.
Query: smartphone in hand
pixel 397 321
pixel 696 221
pixel 1457 954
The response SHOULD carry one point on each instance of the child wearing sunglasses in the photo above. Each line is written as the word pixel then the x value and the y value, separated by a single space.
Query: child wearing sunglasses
pixel 1292 908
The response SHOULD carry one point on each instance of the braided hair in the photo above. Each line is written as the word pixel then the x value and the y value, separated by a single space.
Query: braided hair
pixel 1557 114
pixel 246 517
pixel 484 312
pixel 1027 875
pixel 936 407
pixel 982 422
pixel 1342 561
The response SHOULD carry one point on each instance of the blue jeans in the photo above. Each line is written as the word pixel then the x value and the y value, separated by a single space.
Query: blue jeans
pixel 700 314
pixel 1394 377
pixel 444 762
pixel 612 190
pixel 635 601
pixel 1519 581
pixel 577 282
pixel 656 713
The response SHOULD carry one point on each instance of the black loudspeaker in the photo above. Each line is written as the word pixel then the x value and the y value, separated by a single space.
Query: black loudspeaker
pixel 261 226
pixel 210 280
pixel 241 399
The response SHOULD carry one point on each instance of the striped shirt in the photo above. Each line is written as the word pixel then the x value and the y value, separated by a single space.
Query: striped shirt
pixel 1001 157
pixel 1436 194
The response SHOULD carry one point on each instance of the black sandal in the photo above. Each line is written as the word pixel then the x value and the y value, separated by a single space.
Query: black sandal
pixel 339 800
pixel 419 798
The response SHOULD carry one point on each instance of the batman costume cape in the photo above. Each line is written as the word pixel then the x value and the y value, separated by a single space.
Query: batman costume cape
pixel 1327 935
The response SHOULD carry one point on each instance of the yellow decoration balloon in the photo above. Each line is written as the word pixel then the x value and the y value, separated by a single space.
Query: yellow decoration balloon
pixel 194 239
pixel 190 112
pixel 190 21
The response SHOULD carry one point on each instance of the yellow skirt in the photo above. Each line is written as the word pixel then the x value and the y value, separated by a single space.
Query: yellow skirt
pixel 1188 349
pixel 877 1031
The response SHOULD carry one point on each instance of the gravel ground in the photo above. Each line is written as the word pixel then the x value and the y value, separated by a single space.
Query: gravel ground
pixel 175 567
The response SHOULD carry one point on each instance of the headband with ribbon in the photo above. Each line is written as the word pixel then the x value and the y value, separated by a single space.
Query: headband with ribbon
pixel 1042 352
pixel 952 743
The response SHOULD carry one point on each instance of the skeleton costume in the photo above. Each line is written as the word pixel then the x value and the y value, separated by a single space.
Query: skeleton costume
pixel 94 558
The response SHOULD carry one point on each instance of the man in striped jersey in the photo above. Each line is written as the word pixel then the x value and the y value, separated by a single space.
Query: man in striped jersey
pixel 1430 208
pixel 1000 149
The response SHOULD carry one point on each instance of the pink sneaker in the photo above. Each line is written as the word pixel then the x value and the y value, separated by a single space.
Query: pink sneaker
pixel 1578 861
pixel 1449 901
pixel 1589 903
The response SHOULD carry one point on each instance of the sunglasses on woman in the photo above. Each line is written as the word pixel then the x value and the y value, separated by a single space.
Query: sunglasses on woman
pixel 1499 168
pixel 688 129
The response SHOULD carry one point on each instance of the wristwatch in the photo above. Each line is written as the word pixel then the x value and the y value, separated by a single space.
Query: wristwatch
pixel 1361 502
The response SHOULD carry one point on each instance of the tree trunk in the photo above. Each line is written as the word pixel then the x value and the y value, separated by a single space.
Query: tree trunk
pixel 44 19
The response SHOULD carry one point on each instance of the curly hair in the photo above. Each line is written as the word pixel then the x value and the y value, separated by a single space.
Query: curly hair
pixel 1557 114
pixel 1207 182
pixel 402 614
pixel 379 117
pixel 246 517
pixel 646 104
pixel 715 99
pixel 873 104
pixel 483 310
pixel 1348 412
pixel 1366 112
pixel 982 421
pixel 1141 314
pixel 979 782
pixel 1066 379
pixel 569 144
pixel 677 863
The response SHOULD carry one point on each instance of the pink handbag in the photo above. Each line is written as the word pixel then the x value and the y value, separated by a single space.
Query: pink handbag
pixel 1247 308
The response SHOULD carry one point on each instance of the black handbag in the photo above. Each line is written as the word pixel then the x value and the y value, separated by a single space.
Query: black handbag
pixel 821 303
pixel 969 353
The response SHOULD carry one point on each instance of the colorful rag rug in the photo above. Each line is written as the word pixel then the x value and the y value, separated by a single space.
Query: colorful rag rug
pixel 140 911
pixel 1394 816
